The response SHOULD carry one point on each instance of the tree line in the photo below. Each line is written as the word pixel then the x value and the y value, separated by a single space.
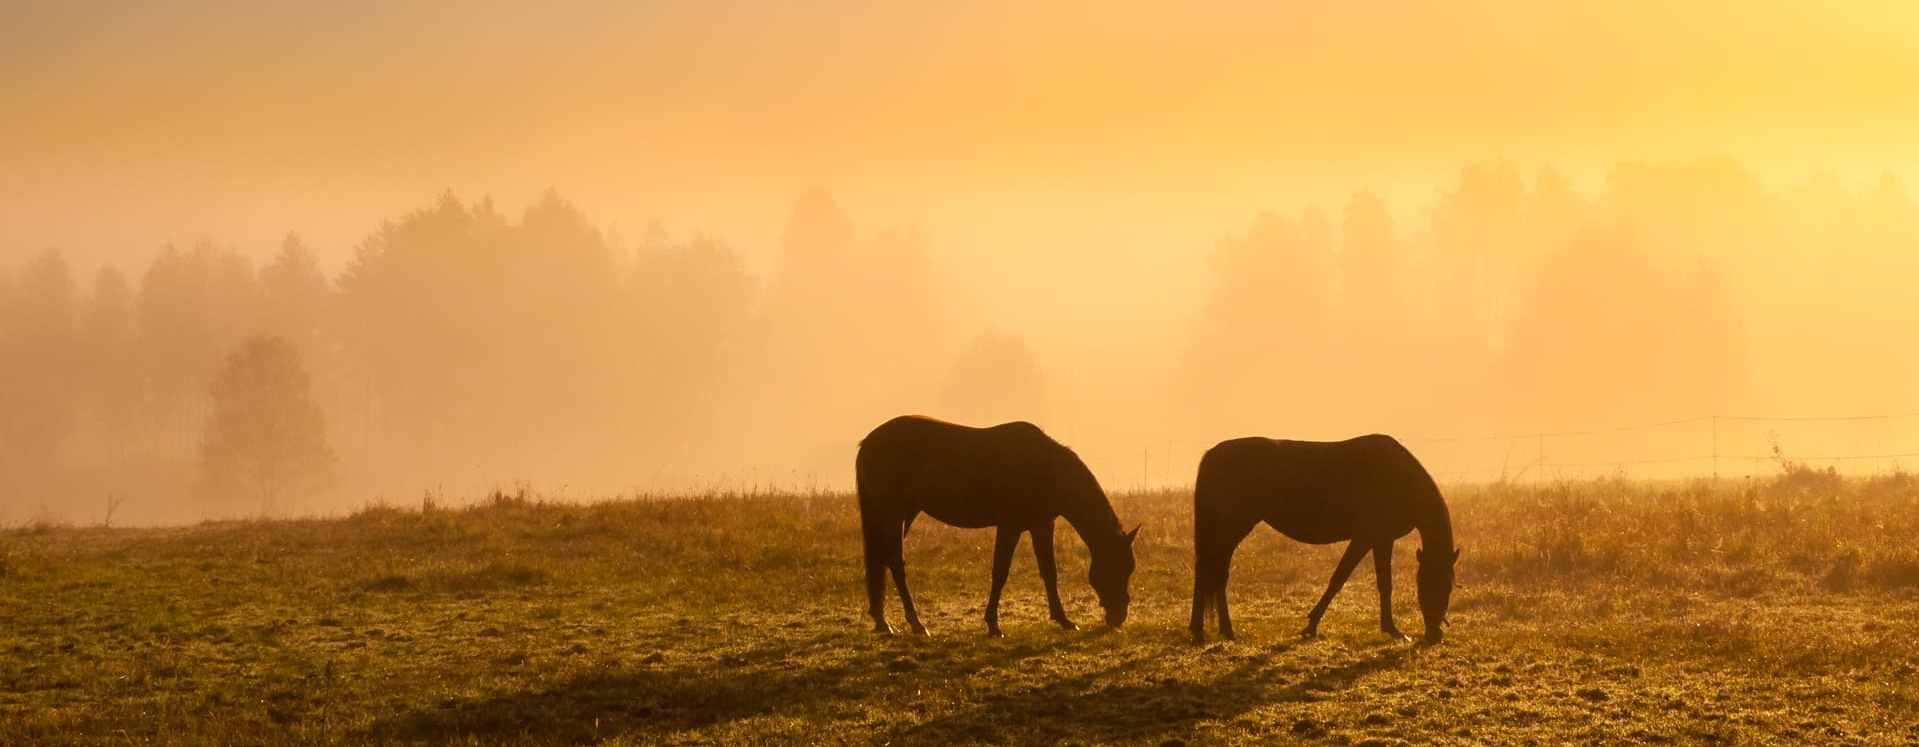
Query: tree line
pixel 462 344
pixel 1516 304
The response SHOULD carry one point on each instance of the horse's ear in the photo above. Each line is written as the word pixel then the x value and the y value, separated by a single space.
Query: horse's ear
pixel 1132 534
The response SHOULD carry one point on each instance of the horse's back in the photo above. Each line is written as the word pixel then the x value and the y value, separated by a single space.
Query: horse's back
pixel 1254 462
pixel 917 440
pixel 954 472
pixel 898 446
pixel 1313 491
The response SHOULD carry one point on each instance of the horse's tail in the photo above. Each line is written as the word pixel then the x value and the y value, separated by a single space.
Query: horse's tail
pixel 880 539
pixel 1206 519
pixel 1206 498
pixel 870 485
pixel 1213 499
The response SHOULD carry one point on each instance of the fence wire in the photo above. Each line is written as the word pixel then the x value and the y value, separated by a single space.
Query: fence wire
pixel 1170 462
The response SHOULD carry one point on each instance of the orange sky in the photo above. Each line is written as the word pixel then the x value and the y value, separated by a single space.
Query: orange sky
pixel 1073 165
pixel 1127 138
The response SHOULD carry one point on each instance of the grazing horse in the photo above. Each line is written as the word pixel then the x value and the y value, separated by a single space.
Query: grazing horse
pixel 1368 491
pixel 1011 477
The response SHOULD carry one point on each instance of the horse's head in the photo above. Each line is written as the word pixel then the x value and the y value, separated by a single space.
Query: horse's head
pixel 1436 589
pixel 1110 572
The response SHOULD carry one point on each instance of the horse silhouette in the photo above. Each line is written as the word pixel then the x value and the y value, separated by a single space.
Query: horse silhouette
pixel 1368 491
pixel 1012 477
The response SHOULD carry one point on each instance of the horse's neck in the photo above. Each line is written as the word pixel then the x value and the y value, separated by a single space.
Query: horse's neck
pixel 1094 520
pixel 1435 524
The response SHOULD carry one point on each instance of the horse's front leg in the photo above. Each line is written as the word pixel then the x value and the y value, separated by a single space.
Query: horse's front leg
pixel 1004 543
pixel 1049 573
pixel 1354 551
pixel 1383 570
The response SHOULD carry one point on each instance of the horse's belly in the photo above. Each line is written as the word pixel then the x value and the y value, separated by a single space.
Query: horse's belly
pixel 1314 522
pixel 1323 534
pixel 1315 536
pixel 963 516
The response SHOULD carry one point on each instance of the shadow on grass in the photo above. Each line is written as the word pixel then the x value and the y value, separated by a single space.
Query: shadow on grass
pixel 661 700
pixel 815 677
pixel 1081 709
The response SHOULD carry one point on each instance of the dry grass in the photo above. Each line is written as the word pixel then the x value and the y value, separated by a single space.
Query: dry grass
pixel 1780 611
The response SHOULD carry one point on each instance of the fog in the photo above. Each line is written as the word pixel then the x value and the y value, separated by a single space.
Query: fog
pixel 605 248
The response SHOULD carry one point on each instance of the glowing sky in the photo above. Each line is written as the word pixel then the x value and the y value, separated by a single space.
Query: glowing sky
pixel 1073 165
pixel 1132 136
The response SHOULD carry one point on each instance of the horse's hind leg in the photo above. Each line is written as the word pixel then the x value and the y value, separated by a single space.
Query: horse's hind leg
pixel 1222 567
pixel 1355 550
pixel 1202 572
pixel 1221 570
pixel 1049 573
pixel 1209 588
pixel 1383 569
pixel 1204 559
pixel 893 536
pixel 874 535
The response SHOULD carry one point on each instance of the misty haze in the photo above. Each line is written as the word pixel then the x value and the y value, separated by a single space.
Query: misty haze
pixel 518 358
pixel 468 346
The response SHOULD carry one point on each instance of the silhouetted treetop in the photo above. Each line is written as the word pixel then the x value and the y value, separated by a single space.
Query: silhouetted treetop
pixel 995 380
pixel 265 439
pixel 817 233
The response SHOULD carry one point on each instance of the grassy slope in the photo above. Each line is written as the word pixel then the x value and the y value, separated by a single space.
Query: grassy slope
pixel 1601 611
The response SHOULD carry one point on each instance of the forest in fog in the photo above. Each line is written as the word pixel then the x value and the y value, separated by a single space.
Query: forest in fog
pixel 467 344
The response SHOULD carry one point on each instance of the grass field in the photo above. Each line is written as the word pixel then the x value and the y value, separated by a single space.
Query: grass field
pixel 1783 611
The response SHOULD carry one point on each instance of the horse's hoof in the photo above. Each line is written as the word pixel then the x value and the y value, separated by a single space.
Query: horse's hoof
pixel 883 629
pixel 1199 637
pixel 994 633
pixel 1395 634
pixel 920 630
pixel 1067 625
pixel 1309 633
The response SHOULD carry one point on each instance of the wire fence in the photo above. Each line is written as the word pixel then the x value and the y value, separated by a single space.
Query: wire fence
pixel 1702 446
